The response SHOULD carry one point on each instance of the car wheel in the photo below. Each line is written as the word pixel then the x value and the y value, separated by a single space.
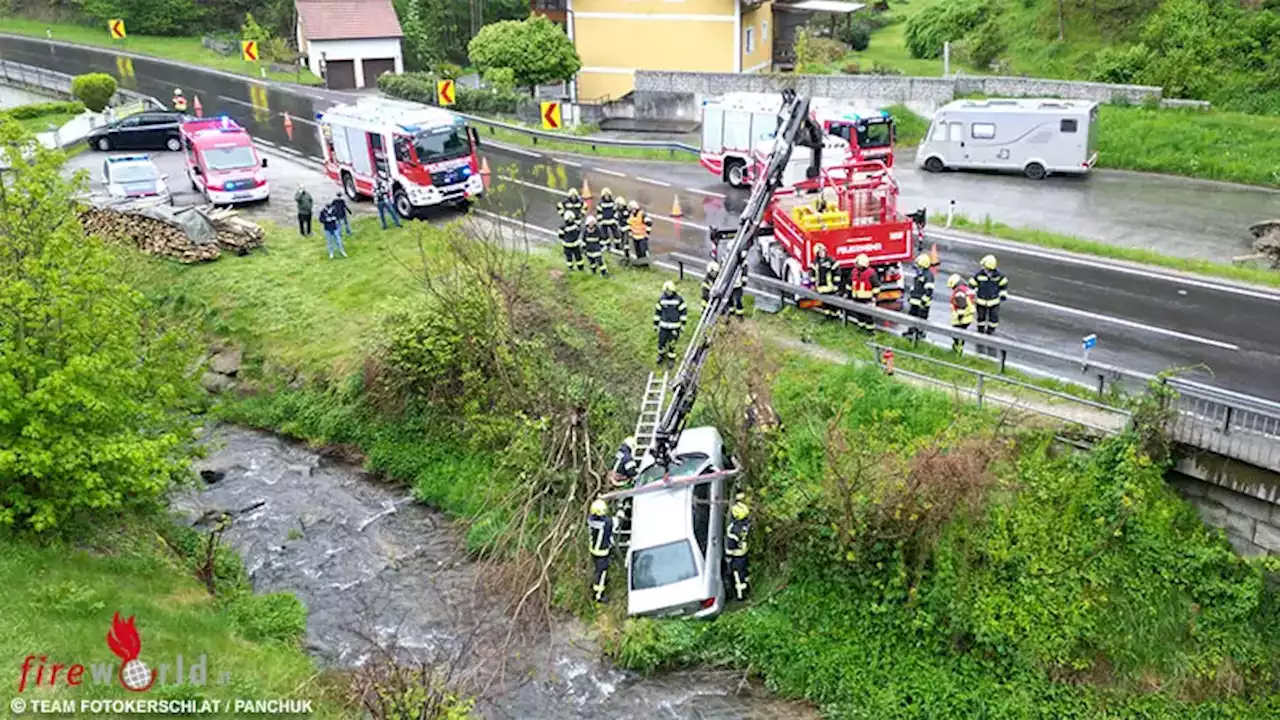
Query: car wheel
pixel 104 144
pixel 1035 171
pixel 934 164
pixel 173 144
pixel 349 187
pixel 403 207
pixel 735 173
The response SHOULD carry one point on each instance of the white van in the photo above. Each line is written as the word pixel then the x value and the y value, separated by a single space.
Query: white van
pixel 1034 137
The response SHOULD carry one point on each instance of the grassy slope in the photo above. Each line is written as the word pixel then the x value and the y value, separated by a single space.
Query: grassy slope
pixel 182 49
pixel 60 600
pixel 42 123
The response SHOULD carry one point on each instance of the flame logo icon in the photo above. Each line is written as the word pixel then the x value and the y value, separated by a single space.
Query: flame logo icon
pixel 126 644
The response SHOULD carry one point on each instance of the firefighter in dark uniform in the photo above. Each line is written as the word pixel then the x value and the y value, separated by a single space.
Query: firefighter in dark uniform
pixel 735 548
pixel 864 285
pixel 625 468
pixel 623 243
pixel 571 241
pixel 992 288
pixel 600 527
pixel 608 211
pixel 920 298
pixel 669 316
pixel 739 289
pixel 572 203
pixel 826 276
pixel 593 242
pixel 709 280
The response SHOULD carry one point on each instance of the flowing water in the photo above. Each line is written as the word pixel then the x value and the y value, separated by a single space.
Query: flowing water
pixel 379 572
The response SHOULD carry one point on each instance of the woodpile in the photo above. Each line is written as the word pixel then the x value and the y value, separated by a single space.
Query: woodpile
pixel 188 235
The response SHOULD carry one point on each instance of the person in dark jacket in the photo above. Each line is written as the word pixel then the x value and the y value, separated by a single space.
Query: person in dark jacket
pixel 342 212
pixel 669 316
pixel 593 243
pixel 920 296
pixel 735 548
pixel 329 221
pixel 600 529
pixel 305 206
pixel 991 288
pixel 571 241
pixel 608 209
pixel 386 203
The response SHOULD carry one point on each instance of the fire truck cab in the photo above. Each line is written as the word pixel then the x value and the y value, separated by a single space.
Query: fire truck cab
pixel 738 127
pixel 426 154
pixel 222 162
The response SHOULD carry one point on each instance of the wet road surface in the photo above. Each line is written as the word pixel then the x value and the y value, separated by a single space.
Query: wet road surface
pixel 377 571
pixel 1147 321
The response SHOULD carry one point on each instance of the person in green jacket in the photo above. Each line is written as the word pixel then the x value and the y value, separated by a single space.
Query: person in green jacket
pixel 305 205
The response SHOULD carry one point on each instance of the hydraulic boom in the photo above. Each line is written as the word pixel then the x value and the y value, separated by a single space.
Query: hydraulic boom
pixel 795 127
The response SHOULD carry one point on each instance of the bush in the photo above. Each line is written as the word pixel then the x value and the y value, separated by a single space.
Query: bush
pixel 94 90
pixel 500 79
pixel 35 110
pixel 148 17
pixel 850 68
pixel 421 87
pixel 1121 66
pixel 984 46
pixel 948 21
pixel 856 35
pixel 446 70
pixel 536 50
pixel 276 617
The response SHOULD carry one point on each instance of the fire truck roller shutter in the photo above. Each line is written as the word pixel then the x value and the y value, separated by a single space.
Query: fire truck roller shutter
pixel 340 74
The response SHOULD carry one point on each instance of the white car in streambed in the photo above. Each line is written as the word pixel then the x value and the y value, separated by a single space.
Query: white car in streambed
pixel 675 561
pixel 131 177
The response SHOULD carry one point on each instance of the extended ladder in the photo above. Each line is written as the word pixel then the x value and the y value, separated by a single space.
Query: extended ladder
pixel 651 407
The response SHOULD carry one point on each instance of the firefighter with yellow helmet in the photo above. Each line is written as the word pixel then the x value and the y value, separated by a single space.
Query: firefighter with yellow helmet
pixel 991 288
pixel 669 317
pixel 963 307
pixel 920 296
pixel 600 529
pixel 735 547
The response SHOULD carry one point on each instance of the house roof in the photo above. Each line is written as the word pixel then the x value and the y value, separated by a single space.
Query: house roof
pixel 348 19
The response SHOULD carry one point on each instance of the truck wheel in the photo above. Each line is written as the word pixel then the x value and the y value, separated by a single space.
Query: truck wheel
pixel 349 187
pixel 403 206
pixel 934 164
pixel 735 173
pixel 1035 171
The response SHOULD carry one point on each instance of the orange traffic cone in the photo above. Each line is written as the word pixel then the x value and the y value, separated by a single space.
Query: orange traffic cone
pixel 675 207
pixel 288 125
pixel 484 166
pixel 199 107
pixel 933 255
pixel 586 190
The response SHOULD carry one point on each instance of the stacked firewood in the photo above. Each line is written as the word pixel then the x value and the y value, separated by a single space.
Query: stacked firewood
pixel 154 233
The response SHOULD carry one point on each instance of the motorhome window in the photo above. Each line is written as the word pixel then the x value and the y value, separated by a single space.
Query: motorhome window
pixel 230 158
pixel 982 131
pixel 875 135
pixel 1067 126
pixel 440 144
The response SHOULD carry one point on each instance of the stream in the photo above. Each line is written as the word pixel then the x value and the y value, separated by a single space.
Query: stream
pixel 379 572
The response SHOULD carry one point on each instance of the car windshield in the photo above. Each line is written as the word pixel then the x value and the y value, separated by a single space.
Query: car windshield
pixel 875 135
pixel 662 565
pixel 444 143
pixel 681 466
pixel 133 173
pixel 230 158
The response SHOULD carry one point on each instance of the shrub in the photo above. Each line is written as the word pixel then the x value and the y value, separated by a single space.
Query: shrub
pixel 278 617
pixel 1121 66
pixel 500 79
pixel 446 70
pixel 35 110
pixel 94 90
pixel 850 68
pixel 826 50
pixel 948 21
pixel 421 87
pixel 536 50
pixel 148 17
pixel 856 35
pixel 984 46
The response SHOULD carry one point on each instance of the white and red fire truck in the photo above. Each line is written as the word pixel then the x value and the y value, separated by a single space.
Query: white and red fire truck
pixel 427 155
pixel 737 130
pixel 222 162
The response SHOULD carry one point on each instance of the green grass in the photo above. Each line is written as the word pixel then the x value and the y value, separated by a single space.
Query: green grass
pixel 182 49
pixel 1242 273
pixel 1213 145
pixel 60 598
pixel 910 126
pixel 42 123
pixel 625 153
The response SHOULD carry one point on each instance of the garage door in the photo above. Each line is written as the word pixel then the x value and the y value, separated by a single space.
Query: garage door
pixel 340 74
pixel 374 67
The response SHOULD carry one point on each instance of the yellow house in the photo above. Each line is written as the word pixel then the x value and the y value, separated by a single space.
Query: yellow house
pixel 615 38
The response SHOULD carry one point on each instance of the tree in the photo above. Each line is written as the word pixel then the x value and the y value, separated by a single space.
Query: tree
pixel 93 381
pixel 439 30
pixel 94 90
pixel 536 50
pixel 149 17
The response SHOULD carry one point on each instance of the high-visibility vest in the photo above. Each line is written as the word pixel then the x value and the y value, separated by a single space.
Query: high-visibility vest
pixel 179 103
pixel 966 315
pixel 864 284
pixel 639 223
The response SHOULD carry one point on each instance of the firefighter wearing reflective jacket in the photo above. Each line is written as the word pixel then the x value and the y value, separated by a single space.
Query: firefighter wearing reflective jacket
pixel 992 288
pixel 640 224
pixel 864 285
pixel 625 464
pixel 826 276
pixel 709 280
pixel 669 316
pixel 963 308
pixel 593 243
pixel 739 289
pixel 179 101
pixel 571 241
pixel 623 242
pixel 608 210
pixel 571 203
pixel 735 548
pixel 920 297
pixel 600 527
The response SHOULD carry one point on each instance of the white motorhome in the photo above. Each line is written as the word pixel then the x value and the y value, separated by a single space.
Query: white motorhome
pixel 1036 137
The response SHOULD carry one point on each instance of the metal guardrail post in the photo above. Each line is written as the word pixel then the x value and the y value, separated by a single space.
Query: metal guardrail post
pixel 980 389
pixel 1004 359
pixel 680 271
pixel 1226 421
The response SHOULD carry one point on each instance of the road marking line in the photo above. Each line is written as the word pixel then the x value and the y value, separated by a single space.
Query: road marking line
pixel 570 163
pixel 654 182
pixel 1046 253
pixel 312 123
pixel 236 101
pixel 268 143
pixel 512 148
pixel 705 192
pixel 291 151
pixel 607 171
pixel 555 191
pixel 1126 323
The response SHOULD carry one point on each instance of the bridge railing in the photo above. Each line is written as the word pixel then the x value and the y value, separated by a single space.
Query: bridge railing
pixel 1231 424
pixel 592 142
pixel 20 74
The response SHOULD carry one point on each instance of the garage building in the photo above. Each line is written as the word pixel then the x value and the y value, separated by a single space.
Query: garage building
pixel 350 42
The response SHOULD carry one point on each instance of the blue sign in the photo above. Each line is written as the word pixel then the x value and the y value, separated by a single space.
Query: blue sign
pixel 1089 341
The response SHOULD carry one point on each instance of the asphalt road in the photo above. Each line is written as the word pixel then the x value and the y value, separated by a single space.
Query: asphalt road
pixel 1145 320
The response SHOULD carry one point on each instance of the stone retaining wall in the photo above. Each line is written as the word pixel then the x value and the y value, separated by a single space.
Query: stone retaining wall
pixel 1231 496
